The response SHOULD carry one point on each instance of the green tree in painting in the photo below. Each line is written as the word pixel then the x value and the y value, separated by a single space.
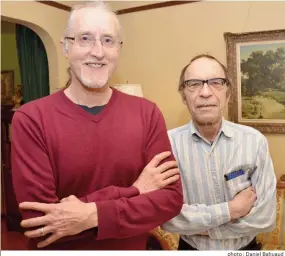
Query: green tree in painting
pixel 263 84
pixel 263 71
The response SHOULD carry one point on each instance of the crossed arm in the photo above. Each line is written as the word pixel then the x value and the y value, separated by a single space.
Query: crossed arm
pixel 262 216
pixel 122 212
pixel 250 216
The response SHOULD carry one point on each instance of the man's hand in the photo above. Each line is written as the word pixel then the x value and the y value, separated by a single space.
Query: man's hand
pixel 154 177
pixel 242 203
pixel 69 217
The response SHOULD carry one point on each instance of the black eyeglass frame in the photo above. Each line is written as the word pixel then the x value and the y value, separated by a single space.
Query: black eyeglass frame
pixel 225 80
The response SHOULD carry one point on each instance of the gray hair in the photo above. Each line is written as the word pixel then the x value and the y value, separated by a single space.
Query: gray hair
pixel 99 5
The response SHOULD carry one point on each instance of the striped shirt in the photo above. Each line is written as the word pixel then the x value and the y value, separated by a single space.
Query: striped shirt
pixel 206 191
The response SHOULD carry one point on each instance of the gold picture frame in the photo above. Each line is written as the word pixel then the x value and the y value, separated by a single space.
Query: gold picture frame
pixel 7 87
pixel 256 66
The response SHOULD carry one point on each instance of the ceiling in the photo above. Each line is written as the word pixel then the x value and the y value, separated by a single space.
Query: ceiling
pixel 115 5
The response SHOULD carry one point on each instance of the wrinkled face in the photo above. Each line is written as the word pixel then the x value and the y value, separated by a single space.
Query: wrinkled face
pixel 94 52
pixel 205 103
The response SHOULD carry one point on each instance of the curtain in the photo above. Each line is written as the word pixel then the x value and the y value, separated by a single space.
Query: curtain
pixel 33 64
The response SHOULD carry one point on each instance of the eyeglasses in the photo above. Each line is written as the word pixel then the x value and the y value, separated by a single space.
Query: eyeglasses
pixel 89 41
pixel 196 84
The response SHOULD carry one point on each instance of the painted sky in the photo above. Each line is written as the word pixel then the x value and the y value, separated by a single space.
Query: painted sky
pixel 246 50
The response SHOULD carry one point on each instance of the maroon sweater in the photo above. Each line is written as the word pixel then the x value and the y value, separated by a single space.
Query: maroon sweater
pixel 59 149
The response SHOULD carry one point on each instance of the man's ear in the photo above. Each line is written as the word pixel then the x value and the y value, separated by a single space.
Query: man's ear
pixel 64 46
pixel 183 97
pixel 228 95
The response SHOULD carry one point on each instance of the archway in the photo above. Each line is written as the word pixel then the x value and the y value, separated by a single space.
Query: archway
pixel 49 46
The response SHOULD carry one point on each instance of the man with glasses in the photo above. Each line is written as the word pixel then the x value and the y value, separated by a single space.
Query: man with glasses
pixel 226 171
pixel 92 167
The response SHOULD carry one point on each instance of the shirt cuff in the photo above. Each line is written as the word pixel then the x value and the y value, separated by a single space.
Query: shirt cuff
pixel 223 218
pixel 222 213
pixel 128 192
pixel 108 226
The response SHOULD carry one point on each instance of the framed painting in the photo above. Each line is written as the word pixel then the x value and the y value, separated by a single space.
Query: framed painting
pixel 256 65
pixel 7 87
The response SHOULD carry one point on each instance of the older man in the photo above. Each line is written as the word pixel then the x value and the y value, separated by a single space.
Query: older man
pixel 226 170
pixel 91 165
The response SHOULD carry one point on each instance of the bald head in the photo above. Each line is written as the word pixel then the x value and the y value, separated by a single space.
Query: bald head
pixel 94 9
pixel 92 44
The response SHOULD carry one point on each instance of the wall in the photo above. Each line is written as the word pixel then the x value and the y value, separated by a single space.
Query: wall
pixel 158 43
pixel 49 23
pixel 9 55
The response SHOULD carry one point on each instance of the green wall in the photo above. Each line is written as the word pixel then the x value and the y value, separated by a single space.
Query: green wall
pixel 9 55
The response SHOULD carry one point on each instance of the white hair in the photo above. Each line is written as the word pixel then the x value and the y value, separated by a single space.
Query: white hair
pixel 99 5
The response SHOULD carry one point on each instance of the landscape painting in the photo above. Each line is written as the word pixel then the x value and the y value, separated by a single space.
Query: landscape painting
pixel 262 69
pixel 256 64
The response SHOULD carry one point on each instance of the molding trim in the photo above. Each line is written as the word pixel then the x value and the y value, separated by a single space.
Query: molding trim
pixel 152 6
pixel 56 5
pixel 127 10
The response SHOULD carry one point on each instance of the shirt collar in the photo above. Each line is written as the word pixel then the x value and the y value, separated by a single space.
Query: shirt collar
pixel 225 129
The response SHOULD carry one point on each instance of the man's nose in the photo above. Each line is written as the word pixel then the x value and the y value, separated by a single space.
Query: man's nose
pixel 97 49
pixel 206 91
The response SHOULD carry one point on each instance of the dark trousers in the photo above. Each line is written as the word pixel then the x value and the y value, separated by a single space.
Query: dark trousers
pixel 252 246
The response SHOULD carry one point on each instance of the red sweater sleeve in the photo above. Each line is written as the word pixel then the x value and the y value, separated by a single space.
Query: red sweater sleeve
pixel 127 217
pixel 109 193
pixel 33 177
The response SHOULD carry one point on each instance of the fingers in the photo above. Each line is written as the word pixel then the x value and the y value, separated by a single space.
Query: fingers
pixel 170 180
pixel 253 197
pixel 68 199
pixel 248 192
pixel 169 173
pixel 38 232
pixel 36 206
pixel 167 165
pixel 249 189
pixel 250 196
pixel 34 222
pixel 158 158
pixel 49 240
